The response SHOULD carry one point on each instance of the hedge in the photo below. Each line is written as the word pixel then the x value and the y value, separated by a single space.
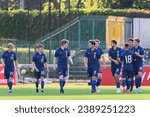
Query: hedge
pixel 14 24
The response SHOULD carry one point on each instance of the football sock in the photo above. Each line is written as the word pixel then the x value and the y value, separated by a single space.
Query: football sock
pixel 93 83
pixel 132 84
pixel 123 82
pixel 98 82
pixel 10 85
pixel 118 85
pixel 137 82
pixel 129 84
pixel 61 83
pixel 42 85
pixel 37 84
pixel 140 80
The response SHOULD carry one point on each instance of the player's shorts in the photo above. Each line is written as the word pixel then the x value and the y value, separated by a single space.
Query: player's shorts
pixel 137 69
pixel 127 73
pixel 62 71
pixel 39 74
pixel 8 74
pixel 92 72
pixel 115 70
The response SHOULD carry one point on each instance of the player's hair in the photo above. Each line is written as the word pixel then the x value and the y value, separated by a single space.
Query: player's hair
pixel 97 40
pixel 126 45
pixel 64 41
pixel 40 46
pixel 10 45
pixel 114 42
pixel 92 42
pixel 130 39
pixel 137 40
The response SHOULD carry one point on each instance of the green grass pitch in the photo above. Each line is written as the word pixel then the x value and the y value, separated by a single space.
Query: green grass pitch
pixel 72 92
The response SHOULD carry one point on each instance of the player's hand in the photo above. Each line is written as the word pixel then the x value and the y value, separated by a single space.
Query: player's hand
pixel 86 66
pixel 137 53
pixel 71 62
pixel 3 64
pixel 54 67
pixel 37 70
pixel 116 62
pixel 47 70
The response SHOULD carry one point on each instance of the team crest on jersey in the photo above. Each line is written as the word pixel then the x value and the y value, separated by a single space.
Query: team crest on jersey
pixel 12 56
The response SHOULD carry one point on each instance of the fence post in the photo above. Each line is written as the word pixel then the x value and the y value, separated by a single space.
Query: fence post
pixel 93 35
pixel 79 34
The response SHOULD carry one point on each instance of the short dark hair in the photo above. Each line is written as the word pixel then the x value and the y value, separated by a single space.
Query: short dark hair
pixel 137 40
pixel 92 42
pixel 130 39
pixel 126 45
pixel 114 42
pixel 40 46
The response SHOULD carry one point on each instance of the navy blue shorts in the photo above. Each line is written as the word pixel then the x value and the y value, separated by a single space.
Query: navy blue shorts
pixel 127 73
pixel 8 74
pixel 137 69
pixel 92 72
pixel 115 70
pixel 62 71
pixel 39 74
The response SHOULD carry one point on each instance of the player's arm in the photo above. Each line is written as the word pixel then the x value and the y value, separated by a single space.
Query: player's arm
pixel 34 66
pixel 85 62
pixel 2 61
pixel 103 61
pixel 45 63
pixel 70 59
pixel 54 63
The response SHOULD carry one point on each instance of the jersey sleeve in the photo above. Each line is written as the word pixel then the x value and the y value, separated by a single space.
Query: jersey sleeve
pixel 68 53
pixel 98 54
pixel 56 53
pixel 86 53
pixel 34 58
pixel 122 56
pixel 3 55
pixel 45 59
pixel 142 51
pixel 15 56
pixel 109 53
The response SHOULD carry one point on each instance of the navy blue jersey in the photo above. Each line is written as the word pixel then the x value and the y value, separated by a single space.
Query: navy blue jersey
pixel 93 58
pixel 138 61
pixel 39 60
pixel 127 58
pixel 101 53
pixel 114 54
pixel 9 58
pixel 62 57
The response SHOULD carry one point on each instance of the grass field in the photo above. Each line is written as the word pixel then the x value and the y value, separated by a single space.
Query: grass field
pixel 72 92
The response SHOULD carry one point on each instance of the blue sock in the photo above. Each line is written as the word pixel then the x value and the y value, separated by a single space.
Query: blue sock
pixel 118 85
pixel 37 84
pixel 132 84
pixel 98 82
pixel 129 84
pixel 137 82
pixel 61 83
pixel 64 82
pixel 124 82
pixel 42 84
pixel 140 80
pixel 93 83
pixel 10 85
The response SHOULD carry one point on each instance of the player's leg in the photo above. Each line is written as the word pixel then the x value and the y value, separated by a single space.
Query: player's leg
pixel 129 81
pixel 6 76
pixel 140 70
pixel 115 73
pixel 124 81
pixel 37 76
pixel 132 83
pixel 61 79
pixel 11 75
pixel 65 74
pixel 94 80
pixel 136 78
pixel 98 83
pixel 42 75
